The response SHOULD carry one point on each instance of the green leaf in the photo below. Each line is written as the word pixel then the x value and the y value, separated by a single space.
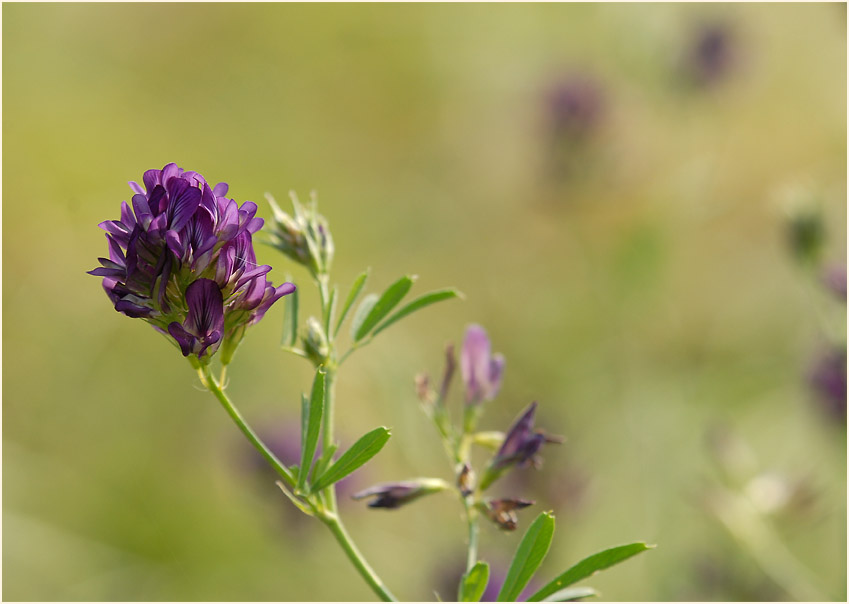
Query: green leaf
pixel 420 302
pixel 589 566
pixel 311 425
pixel 361 451
pixel 529 555
pixel 571 593
pixel 325 459
pixel 356 288
pixel 388 300
pixel 290 319
pixel 298 503
pixel 473 583
pixel 363 310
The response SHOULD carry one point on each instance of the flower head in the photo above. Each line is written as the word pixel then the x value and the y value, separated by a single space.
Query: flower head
pixel 520 447
pixel 391 495
pixel 181 257
pixel 481 370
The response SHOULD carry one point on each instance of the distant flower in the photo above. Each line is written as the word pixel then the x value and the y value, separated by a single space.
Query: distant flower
pixel 575 107
pixel 481 370
pixel 711 55
pixel 182 258
pixel 834 278
pixel 828 378
pixel 393 495
pixel 520 447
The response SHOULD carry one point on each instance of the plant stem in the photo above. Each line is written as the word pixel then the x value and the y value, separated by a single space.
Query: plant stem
pixel 472 521
pixel 338 529
pixel 209 381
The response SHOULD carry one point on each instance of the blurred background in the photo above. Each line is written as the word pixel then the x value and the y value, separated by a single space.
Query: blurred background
pixel 645 206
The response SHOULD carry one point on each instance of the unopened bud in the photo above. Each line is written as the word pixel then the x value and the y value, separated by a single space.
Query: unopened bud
pixel 503 512
pixel 391 495
pixel 466 480
pixel 315 342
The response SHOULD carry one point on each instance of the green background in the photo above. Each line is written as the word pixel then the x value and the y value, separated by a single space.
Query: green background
pixel 645 296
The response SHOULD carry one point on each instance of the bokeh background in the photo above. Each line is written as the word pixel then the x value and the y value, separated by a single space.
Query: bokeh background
pixel 611 186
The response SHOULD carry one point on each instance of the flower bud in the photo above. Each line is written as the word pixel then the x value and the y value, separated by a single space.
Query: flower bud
pixel 391 495
pixel 315 342
pixel 503 512
pixel 466 480
pixel 304 237
pixel 520 447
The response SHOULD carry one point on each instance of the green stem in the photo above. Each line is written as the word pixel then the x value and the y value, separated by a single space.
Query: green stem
pixel 209 381
pixel 472 521
pixel 338 529
pixel 327 421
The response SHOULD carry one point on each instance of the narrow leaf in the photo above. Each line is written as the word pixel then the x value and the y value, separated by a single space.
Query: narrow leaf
pixel 356 289
pixel 311 426
pixel 363 311
pixel 529 555
pixel 474 582
pixel 324 460
pixel 589 566
pixel 290 319
pixel 361 451
pixel 570 594
pixel 388 300
pixel 419 303
pixel 298 503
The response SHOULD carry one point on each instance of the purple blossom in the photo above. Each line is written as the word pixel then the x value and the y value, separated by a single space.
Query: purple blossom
pixel 481 370
pixel 520 447
pixel 576 107
pixel 391 495
pixel 181 257
pixel 834 278
pixel 828 379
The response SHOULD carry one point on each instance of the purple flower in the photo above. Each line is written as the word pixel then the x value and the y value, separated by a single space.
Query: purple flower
pixel 576 107
pixel 834 278
pixel 205 321
pixel 520 447
pixel 712 54
pixel 391 495
pixel 481 370
pixel 182 259
pixel 828 378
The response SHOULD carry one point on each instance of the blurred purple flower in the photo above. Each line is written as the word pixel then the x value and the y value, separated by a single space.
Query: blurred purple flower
pixel 179 231
pixel 391 495
pixel 828 378
pixel 711 54
pixel 575 107
pixel 520 447
pixel 481 370
pixel 834 278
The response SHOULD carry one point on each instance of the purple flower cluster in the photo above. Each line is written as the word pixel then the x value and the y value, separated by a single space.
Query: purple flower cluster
pixel 181 257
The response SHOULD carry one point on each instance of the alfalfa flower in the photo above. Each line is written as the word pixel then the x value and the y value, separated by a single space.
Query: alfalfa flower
pixel 391 495
pixel 182 258
pixel 520 447
pixel 481 369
